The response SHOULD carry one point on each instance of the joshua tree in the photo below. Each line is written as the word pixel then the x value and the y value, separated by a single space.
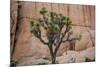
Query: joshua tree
pixel 57 28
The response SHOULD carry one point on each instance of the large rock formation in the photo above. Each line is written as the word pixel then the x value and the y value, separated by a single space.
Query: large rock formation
pixel 28 45
pixel 86 41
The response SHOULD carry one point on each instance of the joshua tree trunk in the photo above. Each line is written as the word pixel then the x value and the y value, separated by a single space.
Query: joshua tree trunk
pixel 53 59
pixel 53 55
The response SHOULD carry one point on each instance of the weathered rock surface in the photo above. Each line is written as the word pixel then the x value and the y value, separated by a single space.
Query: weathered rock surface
pixel 32 61
pixel 87 38
pixel 68 57
pixel 75 56
pixel 89 53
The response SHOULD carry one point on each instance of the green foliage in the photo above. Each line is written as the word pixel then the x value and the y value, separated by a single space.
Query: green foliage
pixel 13 63
pixel 54 23
pixel 43 11
pixel 42 64
pixel 35 28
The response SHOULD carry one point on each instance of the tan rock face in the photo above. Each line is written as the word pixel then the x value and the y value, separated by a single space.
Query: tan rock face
pixel 87 38
pixel 26 43
pixel 85 41
pixel 39 49
pixel 13 22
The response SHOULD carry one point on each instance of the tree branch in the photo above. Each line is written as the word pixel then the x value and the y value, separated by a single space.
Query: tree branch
pixel 60 41
pixel 45 20
pixel 43 41
pixel 68 38
pixel 40 38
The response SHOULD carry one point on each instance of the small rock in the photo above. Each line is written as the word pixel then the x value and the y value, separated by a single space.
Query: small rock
pixel 76 56
pixel 68 57
pixel 89 53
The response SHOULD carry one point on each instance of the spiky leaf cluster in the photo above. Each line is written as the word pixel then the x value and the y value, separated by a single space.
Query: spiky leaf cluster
pixel 52 22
